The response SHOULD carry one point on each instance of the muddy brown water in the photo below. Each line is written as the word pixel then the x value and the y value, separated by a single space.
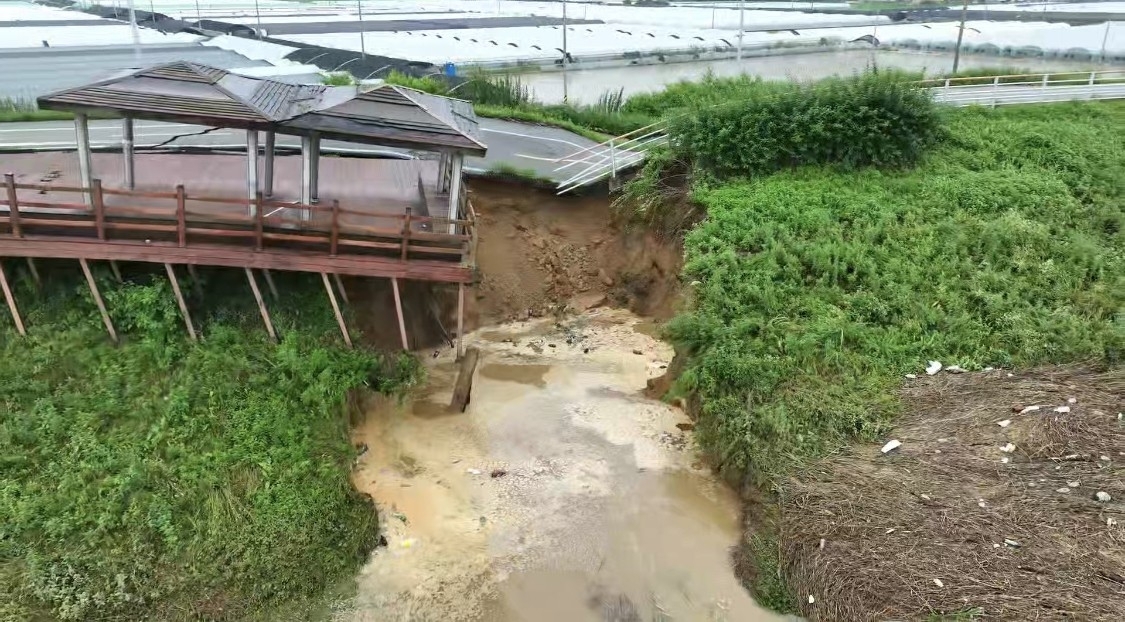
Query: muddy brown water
pixel 561 494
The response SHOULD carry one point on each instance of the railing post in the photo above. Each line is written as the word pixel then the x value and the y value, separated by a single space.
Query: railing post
pixel 13 205
pixel 995 90
pixel 258 215
pixel 1046 79
pixel 181 215
pixel 947 88
pixel 1093 78
pixel 406 233
pixel 99 208
pixel 612 159
pixel 335 235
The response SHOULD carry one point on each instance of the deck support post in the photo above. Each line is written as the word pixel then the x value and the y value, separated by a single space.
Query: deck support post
pixel 261 304
pixel 340 286
pixel 34 273
pixel 455 191
pixel 252 169
pixel 127 151
pixel 116 271
pixel 398 311
pixel 314 179
pixel 180 300
pixel 270 284
pixel 267 170
pixel 11 300
pixel 460 319
pixel 82 138
pixel 98 299
pixel 336 309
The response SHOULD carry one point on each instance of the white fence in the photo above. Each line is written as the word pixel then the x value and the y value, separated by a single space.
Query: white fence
pixel 608 159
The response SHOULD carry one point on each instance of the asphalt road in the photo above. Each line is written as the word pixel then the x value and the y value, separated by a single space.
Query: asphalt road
pixel 519 145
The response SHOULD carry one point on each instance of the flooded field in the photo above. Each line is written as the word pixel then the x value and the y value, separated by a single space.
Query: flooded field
pixel 562 494
pixel 585 86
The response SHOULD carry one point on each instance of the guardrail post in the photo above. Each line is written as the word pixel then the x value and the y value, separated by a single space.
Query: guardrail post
pixel 947 88
pixel 13 205
pixel 1093 76
pixel 612 159
pixel 1046 79
pixel 995 90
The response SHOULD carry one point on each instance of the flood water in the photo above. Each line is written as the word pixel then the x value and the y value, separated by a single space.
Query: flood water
pixel 585 86
pixel 562 494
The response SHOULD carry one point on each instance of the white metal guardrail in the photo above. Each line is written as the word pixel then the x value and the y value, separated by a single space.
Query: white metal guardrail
pixel 608 159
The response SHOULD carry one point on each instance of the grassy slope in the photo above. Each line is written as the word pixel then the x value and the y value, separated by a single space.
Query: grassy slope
pixel 818 289
pixel 169 478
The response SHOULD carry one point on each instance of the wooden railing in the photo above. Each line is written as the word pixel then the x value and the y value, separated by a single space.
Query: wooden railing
pixel 185 219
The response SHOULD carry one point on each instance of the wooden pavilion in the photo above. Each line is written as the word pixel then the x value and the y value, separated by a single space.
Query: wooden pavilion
pixel 397 219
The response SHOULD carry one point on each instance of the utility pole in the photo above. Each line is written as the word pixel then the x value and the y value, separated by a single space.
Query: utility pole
pixel 136 33
pixel 566 53
pixel 1105 38
pixel 362 46
pixel 741 24
pixel 198 14
pixel 960 35
pixel 258 15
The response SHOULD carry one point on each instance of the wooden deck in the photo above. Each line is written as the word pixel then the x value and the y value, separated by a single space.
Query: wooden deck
pixel 373 218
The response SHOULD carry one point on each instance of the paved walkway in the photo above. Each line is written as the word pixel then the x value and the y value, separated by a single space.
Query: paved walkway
pixel 519 145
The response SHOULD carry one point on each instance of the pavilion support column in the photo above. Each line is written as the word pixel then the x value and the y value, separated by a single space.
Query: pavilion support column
pixel 85 172
pixel 252 169
pixel 306 175
pixel 455 191
pixel 127 152
pixel 267 171
pixel 314 178
pixel 443 172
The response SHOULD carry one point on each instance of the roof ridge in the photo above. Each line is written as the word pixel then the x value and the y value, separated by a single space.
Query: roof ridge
pixel 426 109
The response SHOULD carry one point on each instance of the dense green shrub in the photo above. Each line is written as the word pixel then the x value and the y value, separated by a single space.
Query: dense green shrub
pixel 815 289
pixel 168 479
pixel 873 119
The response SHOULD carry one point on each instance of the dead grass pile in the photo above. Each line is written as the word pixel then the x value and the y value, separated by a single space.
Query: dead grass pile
pixel 988 509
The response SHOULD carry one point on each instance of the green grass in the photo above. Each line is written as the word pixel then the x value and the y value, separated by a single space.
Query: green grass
pixel 816 289
pixel 173 480
pixel 509 172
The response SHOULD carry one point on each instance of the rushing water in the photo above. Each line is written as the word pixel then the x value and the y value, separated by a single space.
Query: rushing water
pixel 562 494
pixel 585 86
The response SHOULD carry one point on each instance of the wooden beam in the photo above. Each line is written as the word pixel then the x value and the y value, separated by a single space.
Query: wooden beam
pixel 398 311
pixel 11 300
pixel 116 271
pixel 13 205
pixel 463 388
pixel 180 299
pixel 336 309
pixel 261 305
pixel 270 284
pixel 340 286
pixel 34 273
pixel 98 299
pixel 98 203
pixel 460 319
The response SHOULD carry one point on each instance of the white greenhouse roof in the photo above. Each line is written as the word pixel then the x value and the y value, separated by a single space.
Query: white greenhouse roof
pixel 17 11
pixel 70 36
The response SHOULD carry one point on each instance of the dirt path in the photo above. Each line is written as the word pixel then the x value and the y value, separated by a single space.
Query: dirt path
pixel 561 494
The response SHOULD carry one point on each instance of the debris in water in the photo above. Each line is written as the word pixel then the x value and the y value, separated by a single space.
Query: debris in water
pixel 1073 484
pixel 1008 448
pixel 891 530
pixel 1110 522
pixel 822 542
pixel 402 517
pixel 1029 409
pixel 1011 543
pixel 1011 375
pixel 1072 400
pixel 1105 458
pixel 891 446
pixel 1062 409
pixel 812 601
pixel 938 583
pixel 925 497
pixel 473 471
pixel 911 376
pixel 1103 496
pixel 981 503
pixel 955 369
pixel 408 543
pixel 382 541
pixel 933 368
pixel 988 369
pixel 686 427
pixel 638 352
pixel 498 473
pixel 1005 423
pixel 1063 490
pixel 1004 460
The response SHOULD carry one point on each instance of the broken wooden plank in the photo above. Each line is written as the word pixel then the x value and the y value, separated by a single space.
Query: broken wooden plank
pixel 464 385
pixel 11 300
pixel 98 299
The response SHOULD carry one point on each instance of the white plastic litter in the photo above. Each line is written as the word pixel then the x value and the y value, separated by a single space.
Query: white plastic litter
pixel 1105 458
pixel 1029 409
pixel 1010 542
pixel 1073 484
pixel 891 446
pixel 1103 496
pixel 1008 448
pixel 822 543
pixel 1072 400
pixel 955 369
pixel 1005 423
pixel 473 471
pixel 933 368
pixel 1004 460
pixel 1063 490
pixel 911 376
pixel 938 583
pixel 811 599
pixel 1110 522
pixel 1062 409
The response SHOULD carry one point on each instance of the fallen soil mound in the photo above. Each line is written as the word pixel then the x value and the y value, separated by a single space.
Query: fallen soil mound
pixel 991 507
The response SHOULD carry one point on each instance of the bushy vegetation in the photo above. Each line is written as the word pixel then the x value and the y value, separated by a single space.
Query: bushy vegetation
pixel 815 289
pixel 168 479
pixel 870 120
pixel 14 110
